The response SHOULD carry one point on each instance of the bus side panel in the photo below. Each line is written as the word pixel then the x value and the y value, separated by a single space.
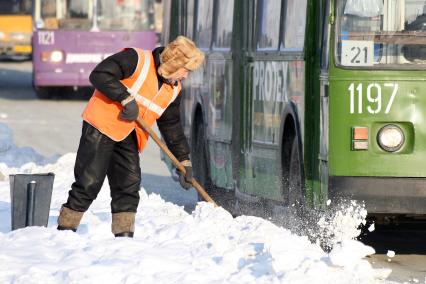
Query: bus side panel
pixel 275 83
pixel 81 51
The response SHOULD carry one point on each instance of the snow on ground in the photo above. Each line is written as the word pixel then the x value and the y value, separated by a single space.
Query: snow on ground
pixel 170 245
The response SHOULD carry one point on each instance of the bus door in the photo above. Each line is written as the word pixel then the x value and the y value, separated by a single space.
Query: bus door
pixel 323 45
pixel 274 92
pixel 213 35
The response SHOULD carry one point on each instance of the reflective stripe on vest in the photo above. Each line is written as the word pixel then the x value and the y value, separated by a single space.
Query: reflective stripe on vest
pixel 134 89
pixel 142 76
pixel 149 104
pixel 103 113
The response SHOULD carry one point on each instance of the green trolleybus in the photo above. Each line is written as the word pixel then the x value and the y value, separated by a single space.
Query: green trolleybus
pixel 307 100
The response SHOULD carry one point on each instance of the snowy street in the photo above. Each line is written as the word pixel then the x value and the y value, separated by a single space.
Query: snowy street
pixel 176 240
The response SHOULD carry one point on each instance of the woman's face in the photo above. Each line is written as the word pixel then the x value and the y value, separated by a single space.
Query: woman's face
pixel 180 75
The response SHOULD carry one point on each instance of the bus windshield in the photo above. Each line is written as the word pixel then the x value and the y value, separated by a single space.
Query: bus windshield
pixel 128 15
pixel 381 33
pixel 15 7
pixel 64 14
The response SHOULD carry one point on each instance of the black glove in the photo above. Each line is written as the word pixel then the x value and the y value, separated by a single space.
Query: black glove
pixel 130 109
pixel 185 180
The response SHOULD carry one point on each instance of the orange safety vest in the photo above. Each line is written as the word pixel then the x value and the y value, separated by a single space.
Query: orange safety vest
pixel 103 113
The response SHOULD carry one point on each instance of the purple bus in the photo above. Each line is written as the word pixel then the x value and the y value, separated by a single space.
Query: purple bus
pixel 71 36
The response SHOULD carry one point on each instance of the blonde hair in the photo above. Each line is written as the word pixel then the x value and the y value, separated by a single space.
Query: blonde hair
pixel 179 53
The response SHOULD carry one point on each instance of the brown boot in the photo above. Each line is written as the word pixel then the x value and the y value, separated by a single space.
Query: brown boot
pixel 123 224
pixel 69 219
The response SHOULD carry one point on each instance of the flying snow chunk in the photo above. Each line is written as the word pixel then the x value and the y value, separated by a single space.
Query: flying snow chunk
pixel 390 253
pixel 348 252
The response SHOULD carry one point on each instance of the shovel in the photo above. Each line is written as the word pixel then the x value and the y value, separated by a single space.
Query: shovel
pixel 175 161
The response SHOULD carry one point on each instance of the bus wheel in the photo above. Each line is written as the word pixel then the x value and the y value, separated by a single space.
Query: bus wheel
pixel 199 157
pixel 295 191
pixel 44 93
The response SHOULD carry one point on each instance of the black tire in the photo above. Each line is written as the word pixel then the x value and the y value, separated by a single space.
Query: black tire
pixel 44 93
pixel 296 196
pixel 199 157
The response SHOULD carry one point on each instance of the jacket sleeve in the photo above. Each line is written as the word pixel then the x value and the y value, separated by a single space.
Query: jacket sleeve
pixel 171 129
pixel 107 74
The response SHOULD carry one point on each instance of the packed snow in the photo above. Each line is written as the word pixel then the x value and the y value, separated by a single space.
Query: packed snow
pixel 170 244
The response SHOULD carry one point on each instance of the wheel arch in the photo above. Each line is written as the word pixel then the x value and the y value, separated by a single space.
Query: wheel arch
pixel 200 162
pixel 198 109
pixel 197 113
pixel 290 129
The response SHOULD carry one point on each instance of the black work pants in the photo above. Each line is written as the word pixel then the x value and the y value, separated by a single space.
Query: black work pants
pixel 99 156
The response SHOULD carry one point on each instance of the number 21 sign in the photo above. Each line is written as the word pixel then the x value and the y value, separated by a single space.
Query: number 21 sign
pixel 357 53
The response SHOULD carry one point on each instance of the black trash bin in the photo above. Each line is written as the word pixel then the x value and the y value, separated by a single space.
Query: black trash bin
pixel 30 198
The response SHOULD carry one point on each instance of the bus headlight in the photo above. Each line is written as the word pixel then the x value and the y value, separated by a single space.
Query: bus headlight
pixel 18 36
pixel 390 138
pixel 54 56
pixel 2 35
pixel 21 37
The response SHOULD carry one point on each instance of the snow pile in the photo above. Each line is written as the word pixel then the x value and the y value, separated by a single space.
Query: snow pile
pixel 170 246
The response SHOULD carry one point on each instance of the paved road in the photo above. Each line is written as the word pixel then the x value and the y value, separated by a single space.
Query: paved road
pixel 53 127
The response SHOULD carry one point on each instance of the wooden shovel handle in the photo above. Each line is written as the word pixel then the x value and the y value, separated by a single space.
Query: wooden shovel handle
pixel 175 161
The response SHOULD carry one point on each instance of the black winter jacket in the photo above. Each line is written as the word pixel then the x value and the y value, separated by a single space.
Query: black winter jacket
pixel 106 78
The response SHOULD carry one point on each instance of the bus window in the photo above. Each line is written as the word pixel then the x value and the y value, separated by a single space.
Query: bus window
pixel 223 20
pixel 204 23
pixel 48 9
pixel 64 14
pixel 294 26
pixel 78 9
pixel 190 19
pixel 269 12
pixel 131 15
pixel 415 22
pixel 382 33
pixel 15 7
